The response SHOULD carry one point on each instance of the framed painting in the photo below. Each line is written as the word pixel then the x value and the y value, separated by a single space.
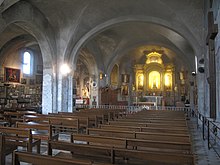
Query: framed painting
pixel 125 78
pixel 124 90
pixel 23 81
pixel 12 75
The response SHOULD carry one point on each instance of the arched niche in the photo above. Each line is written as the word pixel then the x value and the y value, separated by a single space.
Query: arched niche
pixel 114 77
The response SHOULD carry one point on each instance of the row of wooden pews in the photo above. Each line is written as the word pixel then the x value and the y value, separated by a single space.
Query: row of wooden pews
pixel 31 129
pixel 126 145
pixel 145 137
pixel 169 140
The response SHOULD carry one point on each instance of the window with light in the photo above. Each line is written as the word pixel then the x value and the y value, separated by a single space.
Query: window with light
pixel 27 63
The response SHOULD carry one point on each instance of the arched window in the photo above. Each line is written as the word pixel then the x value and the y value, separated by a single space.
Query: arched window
pixel 26 63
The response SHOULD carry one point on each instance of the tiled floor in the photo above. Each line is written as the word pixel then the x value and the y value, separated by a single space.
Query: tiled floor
pixel 203 156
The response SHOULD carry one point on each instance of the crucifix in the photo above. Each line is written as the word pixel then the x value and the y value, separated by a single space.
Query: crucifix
pixel 210 41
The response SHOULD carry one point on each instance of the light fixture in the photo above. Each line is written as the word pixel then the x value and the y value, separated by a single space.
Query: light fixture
pixel 101 75
pixel 193 73
pixel 201 65
pixel 64 69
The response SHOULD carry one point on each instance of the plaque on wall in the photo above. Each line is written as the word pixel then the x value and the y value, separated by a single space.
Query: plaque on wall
pixel 31 82
pixel 2 91
pixel 39 79
pixel 1 79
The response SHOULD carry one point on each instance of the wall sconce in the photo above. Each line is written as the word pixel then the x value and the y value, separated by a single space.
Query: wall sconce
pixel 193 73
pixel 101 76
pixel 201 67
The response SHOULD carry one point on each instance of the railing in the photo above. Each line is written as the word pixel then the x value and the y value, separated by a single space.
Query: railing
pixel 135 108
pixel 210 130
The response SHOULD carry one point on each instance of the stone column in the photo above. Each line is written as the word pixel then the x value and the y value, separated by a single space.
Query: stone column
pixel 70 94
pixel 64 94
pixel 192 88
pixel 218 79
pixel 59 93
pixel 48 103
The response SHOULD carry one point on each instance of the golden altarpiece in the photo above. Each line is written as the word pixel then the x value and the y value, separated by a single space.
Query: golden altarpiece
pixel 155 79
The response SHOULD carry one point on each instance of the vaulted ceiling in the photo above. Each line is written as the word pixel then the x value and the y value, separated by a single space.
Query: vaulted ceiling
pixel 114 31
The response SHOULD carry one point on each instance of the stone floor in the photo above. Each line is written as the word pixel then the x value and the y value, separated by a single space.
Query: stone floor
pixel 203 156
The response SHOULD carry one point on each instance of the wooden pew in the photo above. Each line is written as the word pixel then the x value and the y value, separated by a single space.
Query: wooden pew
pixel 153 120
pixel 67 125
pixel 38 118
pixel 169 146
pixel 145 124
pixel 155 117
pixel 13 116
pixel 90 117
pixel 5 149
pixel 14 137
pixel 139 135
pixel 116 155
pixel 145 129
pixel 94 118
pixel 84 121
pixel 102 115
pixel 39 131
pixel 38 159
pixel 20 137
pixel 58 122
pixel 112 113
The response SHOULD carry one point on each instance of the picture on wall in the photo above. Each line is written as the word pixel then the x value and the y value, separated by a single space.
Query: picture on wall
pixel 124 90
pixel 23 81
pixel 1 79
pixel 12 75
pixel 31 82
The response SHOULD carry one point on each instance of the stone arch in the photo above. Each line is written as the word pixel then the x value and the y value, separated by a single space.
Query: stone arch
pixel 175 28
pixel 33 21
pixel 38 27
pixel 114 75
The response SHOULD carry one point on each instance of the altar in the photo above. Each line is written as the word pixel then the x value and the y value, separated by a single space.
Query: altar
pixel 156 100
pixel 150 101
